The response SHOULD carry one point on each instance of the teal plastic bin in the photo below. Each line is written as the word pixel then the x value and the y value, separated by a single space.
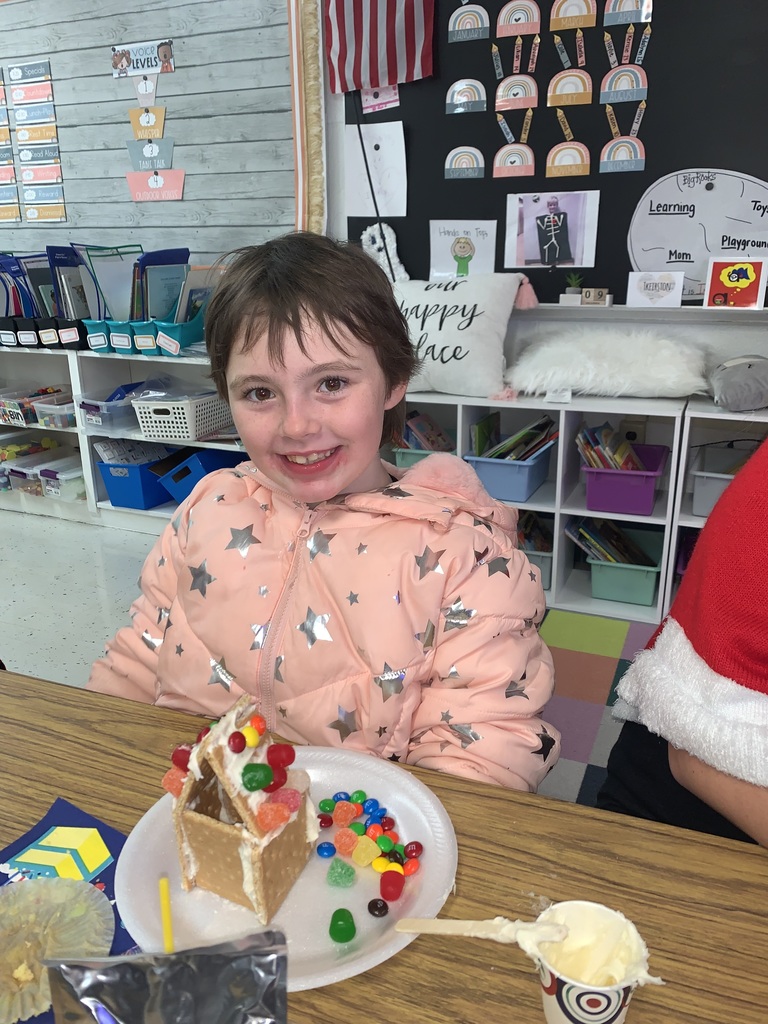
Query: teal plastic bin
pixel 145 337
pixel 97 336
pixel 633 584
pixel 543 561
pixel 121 336
pixel 172 338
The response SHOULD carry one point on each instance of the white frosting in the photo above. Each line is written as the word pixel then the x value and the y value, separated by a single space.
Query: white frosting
pixel 602 947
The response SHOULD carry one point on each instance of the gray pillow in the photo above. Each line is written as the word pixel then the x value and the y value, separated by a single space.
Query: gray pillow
pixel 741 384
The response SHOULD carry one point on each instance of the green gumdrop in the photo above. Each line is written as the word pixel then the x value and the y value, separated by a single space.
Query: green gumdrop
pixel 340 874
pixel 342 927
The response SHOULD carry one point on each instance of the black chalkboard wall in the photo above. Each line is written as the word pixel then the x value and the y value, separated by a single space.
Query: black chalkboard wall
pixel 707 106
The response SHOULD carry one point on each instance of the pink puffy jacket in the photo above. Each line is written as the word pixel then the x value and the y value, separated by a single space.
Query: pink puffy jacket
pixel 401 622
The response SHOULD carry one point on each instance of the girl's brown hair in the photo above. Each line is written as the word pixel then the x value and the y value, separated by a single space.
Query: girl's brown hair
pixel 268 289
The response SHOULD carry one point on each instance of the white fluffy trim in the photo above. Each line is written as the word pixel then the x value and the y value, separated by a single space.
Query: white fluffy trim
pixel 672 691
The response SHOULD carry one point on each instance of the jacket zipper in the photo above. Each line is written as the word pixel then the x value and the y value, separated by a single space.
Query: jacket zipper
pixel 277 626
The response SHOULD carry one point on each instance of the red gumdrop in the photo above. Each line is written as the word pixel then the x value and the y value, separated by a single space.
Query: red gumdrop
pixel 387 823
pixel 236 742
pixel 413 849
pixel 279 780
pixel 180 756
pixel 280 755
pixel 391 885
pixel 292 800
pixel 203 733
pixel 324 820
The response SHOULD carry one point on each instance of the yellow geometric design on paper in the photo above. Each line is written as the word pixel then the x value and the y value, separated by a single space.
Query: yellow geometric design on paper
pixel 87 842
pixel 63 863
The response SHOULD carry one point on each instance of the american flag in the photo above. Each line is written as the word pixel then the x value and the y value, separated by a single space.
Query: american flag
pixel 370 43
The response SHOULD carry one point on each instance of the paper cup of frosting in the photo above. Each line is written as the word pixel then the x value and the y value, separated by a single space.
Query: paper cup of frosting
pixel 590 976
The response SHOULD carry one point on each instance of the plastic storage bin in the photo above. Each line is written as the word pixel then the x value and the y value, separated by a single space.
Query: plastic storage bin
pixel 633 584
pixel 55 411
pixel 65 481
pixel 180 479
pixel 511 480
pixel 17 408
pixel 97 335
pixel 115 415
pixel 24 473
pixel 710 478
pixel 145 337
pixel 542 559
pixel 625 490
pixel 132 486
pixel 182 419
pixel 405 457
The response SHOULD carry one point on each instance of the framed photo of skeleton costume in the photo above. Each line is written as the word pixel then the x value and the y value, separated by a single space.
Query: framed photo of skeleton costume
pixel 551 229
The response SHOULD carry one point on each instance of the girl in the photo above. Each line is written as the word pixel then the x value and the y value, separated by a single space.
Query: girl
pixel 363 606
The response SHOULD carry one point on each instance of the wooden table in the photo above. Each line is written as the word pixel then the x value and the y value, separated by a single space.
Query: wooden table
pixel 700 902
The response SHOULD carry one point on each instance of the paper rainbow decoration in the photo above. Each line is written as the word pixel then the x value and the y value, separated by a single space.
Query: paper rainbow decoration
pixel 624 84
pixel 567 159
pixel 517 91
pixel 465 96
pixel 568 88
pixel 625 153
pixel 622 12
pixel 519 18
pixel 468 22
pixel 573 14
pixel 514 160
pixel 465 162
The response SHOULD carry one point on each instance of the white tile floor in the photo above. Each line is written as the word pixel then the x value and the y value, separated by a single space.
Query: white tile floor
pixel 67 588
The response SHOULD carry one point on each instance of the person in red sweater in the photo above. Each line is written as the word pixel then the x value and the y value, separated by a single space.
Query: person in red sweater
pixel 693 751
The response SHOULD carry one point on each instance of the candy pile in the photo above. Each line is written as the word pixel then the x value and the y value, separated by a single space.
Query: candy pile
pixel 372 842
pixel 269 775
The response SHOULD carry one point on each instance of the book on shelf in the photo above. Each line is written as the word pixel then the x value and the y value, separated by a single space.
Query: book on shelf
pixel 525 442
pixel 486 433
pixel 534 533
pixel 196 290
pixel 428 435
pixel 604 448
pixel 603 540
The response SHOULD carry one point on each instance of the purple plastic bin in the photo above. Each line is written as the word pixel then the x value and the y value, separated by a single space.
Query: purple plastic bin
pixel 625 490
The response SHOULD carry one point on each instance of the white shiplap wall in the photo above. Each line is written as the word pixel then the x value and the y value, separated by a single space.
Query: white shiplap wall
pixel 228 108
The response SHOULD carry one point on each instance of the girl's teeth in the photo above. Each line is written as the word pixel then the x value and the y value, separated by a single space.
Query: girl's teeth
pixel 307 460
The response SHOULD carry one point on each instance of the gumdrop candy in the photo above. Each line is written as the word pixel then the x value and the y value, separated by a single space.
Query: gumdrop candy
pixel 340 874
pixel 271 816
pixel 346 840
pixel 343 813
pixel 291 798
pixel 391 885
pixel 173 780
pixel 365 852
pixel 342 927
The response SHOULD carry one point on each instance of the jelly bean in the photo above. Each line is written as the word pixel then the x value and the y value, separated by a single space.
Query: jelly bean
pixel 326 850
pixel 256 776
pixel 411 866
pixel 391 834
pixel 413 849
pixel 370 805
pixel 326 806
pixel 279 780
pixel 173 780
pixel 343 813
pixel 251 735
pixel 359 796
pixel 374 831
pixel 365 852
pixel 259 723
pixel 395 857
pixel 271 816
pixel 342 927
pixel 340 874
pixel 357 827
pixel 324 820
pixel 180 756
pixel 292 799
pixel 378 908
pixel 391 885
pixel 393 866
pixel 384 843
pixel 281 755
pixel 341 795
pixel 346 840
pixel 236 742
pixel 380 864
pixel 387 823
pixel 203 733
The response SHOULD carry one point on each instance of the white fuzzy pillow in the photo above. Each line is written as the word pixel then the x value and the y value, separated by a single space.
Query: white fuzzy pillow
pixel 457 327
pixel 611 361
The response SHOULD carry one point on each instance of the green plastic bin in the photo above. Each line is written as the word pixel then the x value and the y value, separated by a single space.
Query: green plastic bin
pixel 633 584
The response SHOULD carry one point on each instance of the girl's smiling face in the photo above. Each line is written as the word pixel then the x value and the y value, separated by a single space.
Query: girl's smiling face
pixel 312 425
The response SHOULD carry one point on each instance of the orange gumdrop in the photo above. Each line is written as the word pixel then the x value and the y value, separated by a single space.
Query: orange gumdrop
pixel 344 813
pixel 271 816
pixel 345 841
pixel 173 780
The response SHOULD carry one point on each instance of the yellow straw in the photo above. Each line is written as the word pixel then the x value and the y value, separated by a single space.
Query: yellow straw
pixel 165 912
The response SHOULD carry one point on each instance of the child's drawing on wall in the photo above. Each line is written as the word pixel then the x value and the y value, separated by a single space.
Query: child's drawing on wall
pixel 462 251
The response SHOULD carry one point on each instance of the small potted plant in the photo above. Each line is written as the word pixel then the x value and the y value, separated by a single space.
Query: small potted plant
pixel 573 284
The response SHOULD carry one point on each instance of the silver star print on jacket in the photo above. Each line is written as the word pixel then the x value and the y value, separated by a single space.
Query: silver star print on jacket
pixel 259 635
pixel 201 578
pixel 345 723
pixel 242 540
pixel 319 544
pixel 313 627
pixel 429 561
pixel 456 615
pixel 220 675
pixel 390 681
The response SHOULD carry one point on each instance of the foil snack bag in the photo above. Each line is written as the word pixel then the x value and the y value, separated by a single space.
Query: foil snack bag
pixel 238 982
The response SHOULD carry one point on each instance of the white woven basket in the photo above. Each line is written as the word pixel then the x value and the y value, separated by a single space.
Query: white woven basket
pixel 182 419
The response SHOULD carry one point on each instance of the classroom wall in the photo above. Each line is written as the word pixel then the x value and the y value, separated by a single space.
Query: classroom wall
pixel 228 108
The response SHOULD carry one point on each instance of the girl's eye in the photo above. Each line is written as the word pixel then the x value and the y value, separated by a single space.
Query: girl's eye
pixel 259 394
pixel 332 385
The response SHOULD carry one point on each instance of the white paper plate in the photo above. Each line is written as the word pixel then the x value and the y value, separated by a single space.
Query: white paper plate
pixel 201 918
